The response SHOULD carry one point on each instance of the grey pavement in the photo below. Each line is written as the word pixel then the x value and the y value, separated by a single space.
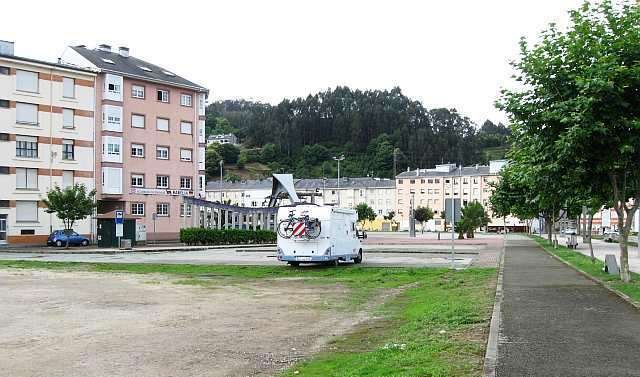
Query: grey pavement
pixel 556 322
pixel 403 256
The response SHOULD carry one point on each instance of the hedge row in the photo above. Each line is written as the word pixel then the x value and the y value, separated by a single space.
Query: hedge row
pixel 204 236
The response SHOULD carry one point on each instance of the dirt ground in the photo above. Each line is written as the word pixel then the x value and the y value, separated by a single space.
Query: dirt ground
pixel 100 324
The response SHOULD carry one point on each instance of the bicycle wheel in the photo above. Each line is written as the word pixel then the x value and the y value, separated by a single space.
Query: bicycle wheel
pixel 285 230
pixel 313 229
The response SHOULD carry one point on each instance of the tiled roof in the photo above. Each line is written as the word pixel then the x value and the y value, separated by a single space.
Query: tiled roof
pixel 130 66
pixel 36 61
pixel 304 184
pixel 466 171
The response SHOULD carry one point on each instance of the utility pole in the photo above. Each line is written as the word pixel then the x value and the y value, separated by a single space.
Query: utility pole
pixel 452 224
pixel 412 216
pixel 221 163
pixel 340 158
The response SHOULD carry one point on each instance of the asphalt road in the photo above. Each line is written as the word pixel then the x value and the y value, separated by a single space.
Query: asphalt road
pixel 555 322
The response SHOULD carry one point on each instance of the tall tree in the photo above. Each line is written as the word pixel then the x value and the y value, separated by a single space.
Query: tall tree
pixel 578 105
pixel 422 215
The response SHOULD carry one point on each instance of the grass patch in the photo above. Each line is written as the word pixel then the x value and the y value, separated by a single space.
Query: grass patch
pixel 434 326
pixel 595 269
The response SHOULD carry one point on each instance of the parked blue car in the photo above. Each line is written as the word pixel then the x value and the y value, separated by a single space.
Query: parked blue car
pixel 61 237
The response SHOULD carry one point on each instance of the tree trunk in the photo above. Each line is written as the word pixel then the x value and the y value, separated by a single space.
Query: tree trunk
pixel 588 236
pixel 624 250
pixel 553 230
pixel 547 224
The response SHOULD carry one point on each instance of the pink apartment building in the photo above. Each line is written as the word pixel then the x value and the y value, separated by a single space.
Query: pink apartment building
pixel 149 139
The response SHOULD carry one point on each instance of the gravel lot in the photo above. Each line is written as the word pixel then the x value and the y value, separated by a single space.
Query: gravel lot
pixel 100 324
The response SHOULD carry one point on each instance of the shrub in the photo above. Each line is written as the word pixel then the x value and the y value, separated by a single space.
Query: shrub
pixel 205 236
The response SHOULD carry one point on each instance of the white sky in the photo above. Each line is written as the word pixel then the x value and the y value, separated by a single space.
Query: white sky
pixel 446 53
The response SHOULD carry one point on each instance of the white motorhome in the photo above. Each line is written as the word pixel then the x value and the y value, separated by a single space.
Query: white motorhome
pixel 337 239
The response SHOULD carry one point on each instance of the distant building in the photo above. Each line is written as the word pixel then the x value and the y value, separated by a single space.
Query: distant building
pixel 431 187
pixel 378 193
pixel 222 139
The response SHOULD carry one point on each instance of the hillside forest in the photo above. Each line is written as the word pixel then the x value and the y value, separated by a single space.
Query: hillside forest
pixel 371 128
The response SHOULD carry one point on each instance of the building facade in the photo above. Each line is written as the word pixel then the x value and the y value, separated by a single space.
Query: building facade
pixel 222 139
pixel 432 187
pixel 47 130
pixel 376 192
pixel 151 139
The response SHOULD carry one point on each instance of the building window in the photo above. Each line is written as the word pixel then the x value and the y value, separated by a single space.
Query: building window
pixel 26 211
pixel 137 91
pixel 137 209
pixel 137 150
pixel 113 88
pixel 68 149
pixel 137 180
pixel 429 181
pixel 137 121
pixel 185 100
pixel 162 153
pixel 185 154
pixel 26 178
pixel 185 183
pixel 162 124
pixel 68 116
pixel 68 87
pixel 4 70
pixel 27 81
pixel 67 178
pixel 162 209
pixel 162 181
pixel 186 127
pixel 113 149
pixel 185 210
pixel 112 118
pixel 163 95
pixel 27 146
pixel 399 181
pixel 26 113
pixel 412 181
pixel 436 180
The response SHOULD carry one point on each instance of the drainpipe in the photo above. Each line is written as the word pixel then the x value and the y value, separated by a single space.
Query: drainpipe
pixel 50 142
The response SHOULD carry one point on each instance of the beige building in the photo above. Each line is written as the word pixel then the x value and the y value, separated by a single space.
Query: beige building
pixel 432 187
pixel 46 139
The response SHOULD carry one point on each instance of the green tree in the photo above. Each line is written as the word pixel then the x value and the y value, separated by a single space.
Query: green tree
pixel 390 215
pixel 578 107
pixel 365 213
pixel 70 204
pixel 212 160
pixel 422 215
pixel 473 217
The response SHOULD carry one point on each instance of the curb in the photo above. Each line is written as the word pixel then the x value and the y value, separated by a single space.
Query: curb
pixel 623 296
pixel 118 251
pixel 491 355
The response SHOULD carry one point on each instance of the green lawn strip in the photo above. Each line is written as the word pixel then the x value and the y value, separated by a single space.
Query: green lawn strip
pixel 436 328
pixel 595 269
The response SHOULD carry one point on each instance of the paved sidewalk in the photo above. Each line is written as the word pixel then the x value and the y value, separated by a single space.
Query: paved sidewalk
pixel 556 322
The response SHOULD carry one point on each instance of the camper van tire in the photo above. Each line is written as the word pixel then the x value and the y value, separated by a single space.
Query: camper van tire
pixel 358 259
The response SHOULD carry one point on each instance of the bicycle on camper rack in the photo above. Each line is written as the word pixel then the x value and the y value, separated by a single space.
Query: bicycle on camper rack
pixel 303 227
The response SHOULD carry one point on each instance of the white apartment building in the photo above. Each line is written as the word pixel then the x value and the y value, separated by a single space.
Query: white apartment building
pixel 431 187
pixel 46 139
pixel 376 192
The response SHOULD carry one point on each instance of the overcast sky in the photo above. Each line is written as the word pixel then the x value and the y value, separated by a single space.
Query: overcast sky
pixel 446 53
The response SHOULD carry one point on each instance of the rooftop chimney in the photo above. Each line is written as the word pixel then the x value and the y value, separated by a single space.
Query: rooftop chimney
pixel 104 47
pixel 6 48
pixel 124 51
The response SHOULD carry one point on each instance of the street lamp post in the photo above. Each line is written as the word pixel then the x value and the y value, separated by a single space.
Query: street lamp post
pixel 340 158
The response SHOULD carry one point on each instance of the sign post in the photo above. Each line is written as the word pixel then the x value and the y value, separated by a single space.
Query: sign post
pixel 119 225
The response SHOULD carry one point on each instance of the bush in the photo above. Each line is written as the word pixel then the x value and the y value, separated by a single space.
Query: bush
pixel 204 236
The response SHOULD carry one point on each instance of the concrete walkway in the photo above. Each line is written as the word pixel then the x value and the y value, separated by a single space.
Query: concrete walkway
pixel 555 322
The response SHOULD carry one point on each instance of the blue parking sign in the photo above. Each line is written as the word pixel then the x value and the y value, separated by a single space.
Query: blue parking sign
pixel 119 217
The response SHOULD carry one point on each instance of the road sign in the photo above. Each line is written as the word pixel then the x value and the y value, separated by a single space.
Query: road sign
pixel 119 217
pixel 119 230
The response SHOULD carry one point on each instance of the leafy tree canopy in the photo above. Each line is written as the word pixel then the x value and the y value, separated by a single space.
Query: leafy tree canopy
pixel 70 204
